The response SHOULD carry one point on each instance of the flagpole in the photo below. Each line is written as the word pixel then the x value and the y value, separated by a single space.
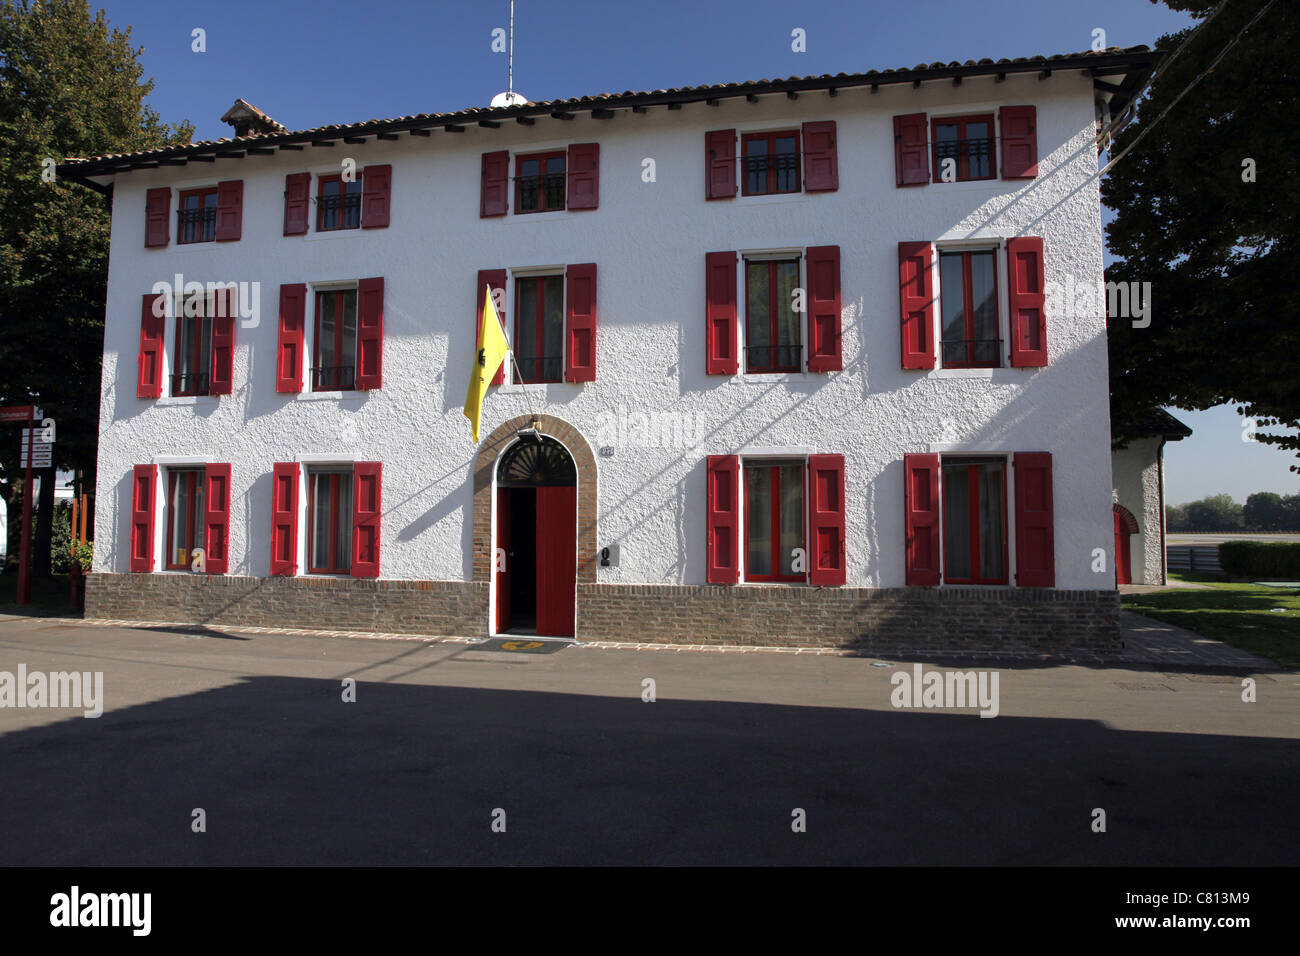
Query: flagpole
pixel 510 350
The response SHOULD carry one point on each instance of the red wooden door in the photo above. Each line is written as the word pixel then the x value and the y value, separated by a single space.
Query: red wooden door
pixel 557 560
pixel 1123 574
pixel 501 559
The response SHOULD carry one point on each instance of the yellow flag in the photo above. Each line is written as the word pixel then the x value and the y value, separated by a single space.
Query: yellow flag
pixel 491 353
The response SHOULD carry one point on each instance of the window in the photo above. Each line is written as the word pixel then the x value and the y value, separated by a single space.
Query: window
pixel 338 203
pixel 335 361
pixel 193 369
pixel 771 324
pixel 974 520
pixel 968 292
pixel 969 141
pixel 197 216
pixel 539 328
pixel 329 521
pixel 539 182
pixel 771 162
pixel 774 510
pixel 185 516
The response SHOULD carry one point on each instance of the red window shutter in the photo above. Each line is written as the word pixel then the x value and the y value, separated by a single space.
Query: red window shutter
pixel 495 279
pixel 916 303
pixel 370 334
pixel 366 509
pixel 720 313
pixel 1035 544
pixel 580 322
pixel 297 202
pixel 826 553
pixel 921 507
pixel 284 517
pixel 720 163
pixel 157 216
pixel 149 361
pixel 223 342
pixel 230 210
pixel 144 479
pixel 1018 126
pixel 821 168
pixel 584 176
pixel 723 507
pixel 911 149
pixel 288 359
pixel 376 196
pixel 824 309
pixel 216 532
pixel 495 195
pixel 1028 321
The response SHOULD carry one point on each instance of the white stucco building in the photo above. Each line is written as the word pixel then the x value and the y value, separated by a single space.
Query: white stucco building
pixel 795 372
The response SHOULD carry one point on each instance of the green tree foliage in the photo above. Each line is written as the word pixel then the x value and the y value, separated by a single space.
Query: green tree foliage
pixel 70 85
pixel 1263 511
pixel 1219 251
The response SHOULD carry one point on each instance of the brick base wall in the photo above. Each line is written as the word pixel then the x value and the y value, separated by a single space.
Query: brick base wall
pixel 881 621
pixel 442 608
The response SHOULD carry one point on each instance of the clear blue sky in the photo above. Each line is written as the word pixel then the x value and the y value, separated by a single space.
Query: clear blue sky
pixel 313 62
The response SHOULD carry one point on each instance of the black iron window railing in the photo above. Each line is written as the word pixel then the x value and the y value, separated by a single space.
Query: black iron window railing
pixel 775 172
pixel 973 157
pixel 543 192
pixel 972 353
pixel 773 358
pixel 332 378
pixel 196 225
pixel 338 211
pixel 190 383
pixel 541 368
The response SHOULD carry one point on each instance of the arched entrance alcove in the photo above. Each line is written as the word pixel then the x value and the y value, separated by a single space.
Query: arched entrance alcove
pixel 534 494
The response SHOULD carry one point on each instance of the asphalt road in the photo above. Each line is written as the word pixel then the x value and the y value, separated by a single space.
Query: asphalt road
pixel 1210 540
pixel 253 730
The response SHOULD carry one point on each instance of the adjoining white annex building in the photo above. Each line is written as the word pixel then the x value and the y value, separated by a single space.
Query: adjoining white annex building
pixel 790 369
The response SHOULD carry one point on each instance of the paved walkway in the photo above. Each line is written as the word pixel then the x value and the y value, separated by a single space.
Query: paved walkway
pixel 1148 641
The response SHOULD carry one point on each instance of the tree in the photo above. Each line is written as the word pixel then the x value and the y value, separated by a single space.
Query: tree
pixel 1263 511
pixel 69 86
pixel 1175 518
pixel 1215 513
pixel 1206 210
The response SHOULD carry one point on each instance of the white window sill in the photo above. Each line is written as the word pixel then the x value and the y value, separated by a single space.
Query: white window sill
pixel 775 199
pixel 349 396
pixel 551 215
pixel 779 378
pixel 516 388
pixel 330 234
pixel 187 400
pixel 998 376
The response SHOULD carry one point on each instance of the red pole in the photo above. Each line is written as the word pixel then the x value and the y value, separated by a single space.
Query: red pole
pixel 25 546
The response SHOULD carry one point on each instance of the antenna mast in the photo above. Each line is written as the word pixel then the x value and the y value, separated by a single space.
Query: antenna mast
pixel 510 67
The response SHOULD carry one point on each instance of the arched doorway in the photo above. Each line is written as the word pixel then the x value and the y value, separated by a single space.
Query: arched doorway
pixel 536 538
pixel 1125 527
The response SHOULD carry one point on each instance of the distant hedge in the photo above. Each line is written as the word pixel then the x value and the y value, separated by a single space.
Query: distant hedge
pixel 1260 560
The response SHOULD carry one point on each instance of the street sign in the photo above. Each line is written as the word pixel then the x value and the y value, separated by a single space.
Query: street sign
pixel 19 413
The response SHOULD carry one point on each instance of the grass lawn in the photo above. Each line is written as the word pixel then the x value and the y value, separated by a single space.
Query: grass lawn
pixel 1238 614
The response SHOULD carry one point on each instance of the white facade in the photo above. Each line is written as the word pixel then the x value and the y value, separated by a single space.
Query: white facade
pixel 649 240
